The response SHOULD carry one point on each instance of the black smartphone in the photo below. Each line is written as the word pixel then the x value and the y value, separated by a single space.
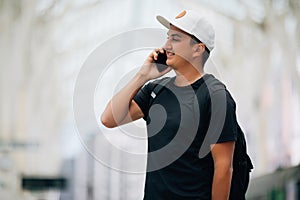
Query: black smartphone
pixel 161 61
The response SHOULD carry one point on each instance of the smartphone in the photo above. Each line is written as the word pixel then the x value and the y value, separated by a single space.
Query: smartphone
pixel 161 61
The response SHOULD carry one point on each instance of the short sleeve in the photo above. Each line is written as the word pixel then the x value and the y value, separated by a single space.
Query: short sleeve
pixel 142 98
pixel 223 123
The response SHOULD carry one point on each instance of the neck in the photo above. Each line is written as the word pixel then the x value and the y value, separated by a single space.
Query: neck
pixel 188 76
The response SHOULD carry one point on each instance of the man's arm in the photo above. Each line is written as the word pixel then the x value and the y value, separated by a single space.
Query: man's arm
pixel 122 108
pixel 223 156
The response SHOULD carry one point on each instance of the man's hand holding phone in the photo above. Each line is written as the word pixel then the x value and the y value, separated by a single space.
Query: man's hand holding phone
pixel 161 61
pixel 155 65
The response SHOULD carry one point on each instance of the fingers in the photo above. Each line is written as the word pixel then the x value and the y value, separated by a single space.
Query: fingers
pixel 159 50
pixel 156 52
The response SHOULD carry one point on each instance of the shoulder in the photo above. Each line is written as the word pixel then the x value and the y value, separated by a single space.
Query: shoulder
pixel 161 81
pixel 218 90
pixel 213 84
pixel 209 85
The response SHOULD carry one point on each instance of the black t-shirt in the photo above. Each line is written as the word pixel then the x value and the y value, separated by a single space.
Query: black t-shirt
pixel 182 122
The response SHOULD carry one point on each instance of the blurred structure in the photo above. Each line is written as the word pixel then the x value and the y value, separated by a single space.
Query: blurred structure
pixel 44 43
pixel 279 185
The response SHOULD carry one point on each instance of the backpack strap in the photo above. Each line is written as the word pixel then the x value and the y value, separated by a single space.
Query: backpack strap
pixel 240 156
pixel 213 84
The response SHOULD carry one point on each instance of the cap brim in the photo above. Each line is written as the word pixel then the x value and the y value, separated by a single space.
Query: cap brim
pixel 166 23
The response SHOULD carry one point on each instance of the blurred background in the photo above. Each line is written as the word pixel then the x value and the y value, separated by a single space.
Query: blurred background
pixel 45 43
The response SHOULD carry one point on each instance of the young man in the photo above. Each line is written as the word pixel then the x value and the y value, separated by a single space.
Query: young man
pixel 191 120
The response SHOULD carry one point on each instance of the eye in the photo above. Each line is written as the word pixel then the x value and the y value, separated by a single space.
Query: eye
pixel 174 38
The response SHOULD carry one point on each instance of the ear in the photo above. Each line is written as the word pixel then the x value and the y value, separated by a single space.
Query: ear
pixel 198 49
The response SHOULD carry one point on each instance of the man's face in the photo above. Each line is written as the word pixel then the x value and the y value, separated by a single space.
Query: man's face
pixel 178 47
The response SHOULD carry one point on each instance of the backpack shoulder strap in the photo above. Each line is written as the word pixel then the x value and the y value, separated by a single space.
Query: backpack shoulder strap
pixel 240 155
pixel 213 84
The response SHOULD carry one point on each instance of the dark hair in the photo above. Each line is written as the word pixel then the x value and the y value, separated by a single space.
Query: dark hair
pixel 197 41
pixel 206 53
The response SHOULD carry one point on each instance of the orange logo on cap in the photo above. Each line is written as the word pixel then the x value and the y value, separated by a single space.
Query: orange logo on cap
pixel 181 14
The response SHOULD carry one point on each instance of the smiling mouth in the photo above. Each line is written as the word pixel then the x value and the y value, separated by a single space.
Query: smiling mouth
pixel 169 53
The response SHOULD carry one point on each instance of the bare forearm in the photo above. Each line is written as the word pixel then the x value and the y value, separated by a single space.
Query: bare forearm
pixel 118 107
pixel 117 110
pixel 221 183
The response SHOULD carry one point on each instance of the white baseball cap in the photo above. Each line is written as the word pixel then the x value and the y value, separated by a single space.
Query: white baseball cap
pixel 192 23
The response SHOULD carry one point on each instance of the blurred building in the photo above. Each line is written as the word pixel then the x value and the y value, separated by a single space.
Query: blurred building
pixel 43 46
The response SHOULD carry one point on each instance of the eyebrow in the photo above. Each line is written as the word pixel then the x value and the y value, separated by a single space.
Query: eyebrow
pixel 174 34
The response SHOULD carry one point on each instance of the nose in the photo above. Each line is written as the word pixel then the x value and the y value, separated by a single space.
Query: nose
pixel 167 45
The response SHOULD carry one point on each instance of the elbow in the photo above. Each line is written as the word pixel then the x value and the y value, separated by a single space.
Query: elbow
pixel 107 122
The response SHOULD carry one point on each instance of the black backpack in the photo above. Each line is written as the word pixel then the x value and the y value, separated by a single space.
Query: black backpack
pixel 242 166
